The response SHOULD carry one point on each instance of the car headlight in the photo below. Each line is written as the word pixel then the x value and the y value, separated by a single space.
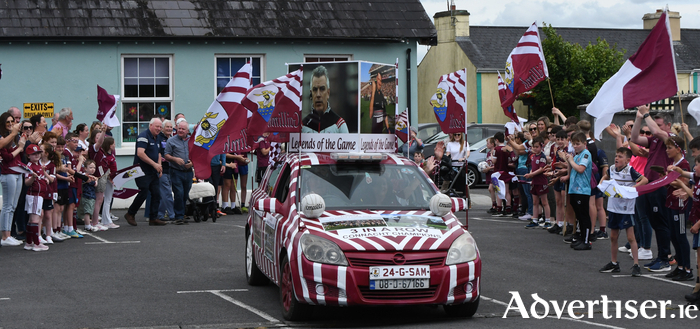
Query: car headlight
pixel 320 250
pixel 463 250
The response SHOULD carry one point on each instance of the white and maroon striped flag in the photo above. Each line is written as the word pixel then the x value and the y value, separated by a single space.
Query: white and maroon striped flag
pixel 402 126
pixel 275 105
pixel 647 76
pixel 525 67
pixel 508 111
pixel 450 102
pixel 223 127
pixel 107 107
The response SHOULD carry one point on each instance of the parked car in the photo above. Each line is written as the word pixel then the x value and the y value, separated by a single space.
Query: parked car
pixel 327 229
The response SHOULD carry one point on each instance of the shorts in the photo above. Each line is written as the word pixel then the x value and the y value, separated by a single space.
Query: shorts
pixel 102 183
pixel 243 169
pixel 559 186
pixel 73 195
pixel 695 242
pixel 48 204
pixel 620 221
pixel 597 193
pixel 86 207
pixel 33 204
pixel 62 197
pixel 539 189
pixel 230 174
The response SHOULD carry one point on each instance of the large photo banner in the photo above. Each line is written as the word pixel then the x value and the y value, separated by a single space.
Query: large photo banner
pixel 352 101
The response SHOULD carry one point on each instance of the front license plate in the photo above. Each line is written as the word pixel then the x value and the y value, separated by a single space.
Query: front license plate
pixel 395 284
pixel 399 272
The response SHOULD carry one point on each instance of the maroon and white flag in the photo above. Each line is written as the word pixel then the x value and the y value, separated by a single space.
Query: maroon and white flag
pixel 275 105
pixel 450 102
pixel 107 107
pixel 525 67
pixel 647 76
pixel 223 127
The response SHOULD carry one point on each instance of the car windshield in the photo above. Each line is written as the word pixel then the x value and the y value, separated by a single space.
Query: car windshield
pixel 367 186
pixel 478 145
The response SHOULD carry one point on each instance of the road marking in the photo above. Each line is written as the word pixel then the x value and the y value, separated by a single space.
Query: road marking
pixel 495 301
pixel 239 226
pixel 5 298
pixel 653 276
pixel 212 291
pixel 236 302
pixel 105 241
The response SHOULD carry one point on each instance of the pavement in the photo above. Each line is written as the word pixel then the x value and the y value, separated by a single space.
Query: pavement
pixel 192 276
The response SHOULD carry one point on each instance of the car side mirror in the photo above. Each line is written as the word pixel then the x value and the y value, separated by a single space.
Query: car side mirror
pixel 458 204
pixel 270 205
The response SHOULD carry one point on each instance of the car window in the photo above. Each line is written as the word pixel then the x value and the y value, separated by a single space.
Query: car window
pixel 428 131
pixel 273 180
pixel 368 186
pixel 283 186
pixel 474 134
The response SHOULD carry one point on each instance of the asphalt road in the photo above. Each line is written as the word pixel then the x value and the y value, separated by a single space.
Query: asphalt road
pixel 193 277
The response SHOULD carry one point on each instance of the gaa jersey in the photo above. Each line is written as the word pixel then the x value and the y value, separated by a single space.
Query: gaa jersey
pixel 657 157
pixel 40 184
pixel 672 201
pixel 538 161
pixel 695 210
pixel 72 161
pixel 626 176
pixel 52 187
pixel 502 157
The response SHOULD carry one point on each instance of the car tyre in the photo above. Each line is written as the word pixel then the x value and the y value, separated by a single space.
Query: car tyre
pixel 466 310
pixel 292 309
pixel 473 176
pixel 253 275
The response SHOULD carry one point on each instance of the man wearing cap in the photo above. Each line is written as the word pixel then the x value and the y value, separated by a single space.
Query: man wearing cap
pixel 177 153
pixel 147 156
pixel 413 144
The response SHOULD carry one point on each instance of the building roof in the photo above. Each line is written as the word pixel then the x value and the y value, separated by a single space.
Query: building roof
pixel 300 19
pixel 488 47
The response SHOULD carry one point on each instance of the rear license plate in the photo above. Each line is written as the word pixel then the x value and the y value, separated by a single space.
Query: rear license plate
pixel 395 284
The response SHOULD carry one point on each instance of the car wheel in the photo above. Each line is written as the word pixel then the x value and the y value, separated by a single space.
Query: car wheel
pixel 466 310
pixel 252 273
pixel 472 176
pixel 292 310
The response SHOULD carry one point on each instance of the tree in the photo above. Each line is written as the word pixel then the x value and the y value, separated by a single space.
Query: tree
pixel 576 73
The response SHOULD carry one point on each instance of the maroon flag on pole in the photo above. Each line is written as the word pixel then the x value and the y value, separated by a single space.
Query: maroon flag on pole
pixel 275 105
pixel 450 102
pixel 525 67
pixel 223 127
pixel 107 107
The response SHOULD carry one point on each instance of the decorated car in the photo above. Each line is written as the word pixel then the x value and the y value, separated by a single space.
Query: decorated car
pixel 346 229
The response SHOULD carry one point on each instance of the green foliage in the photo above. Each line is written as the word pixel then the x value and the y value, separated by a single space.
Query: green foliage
pixel 576 73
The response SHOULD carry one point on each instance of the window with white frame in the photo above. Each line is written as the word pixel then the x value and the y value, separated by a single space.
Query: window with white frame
pixel 228 65
pixel 147 87
pixel 327 58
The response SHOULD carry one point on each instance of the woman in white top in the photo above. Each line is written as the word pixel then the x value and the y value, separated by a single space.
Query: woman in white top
pixel 458 149
pixel 83 132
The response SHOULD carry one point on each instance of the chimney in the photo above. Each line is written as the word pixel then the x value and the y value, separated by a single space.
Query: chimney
pixel 451 24
pixel 674 18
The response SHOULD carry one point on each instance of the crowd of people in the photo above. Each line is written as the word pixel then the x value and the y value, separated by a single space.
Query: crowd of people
pixel 547 158
pixel 55 179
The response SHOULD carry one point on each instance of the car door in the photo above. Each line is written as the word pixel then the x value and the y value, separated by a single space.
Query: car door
pixel 262 219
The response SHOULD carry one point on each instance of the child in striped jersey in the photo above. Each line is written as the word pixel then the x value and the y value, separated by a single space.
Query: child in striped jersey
pixel 621 211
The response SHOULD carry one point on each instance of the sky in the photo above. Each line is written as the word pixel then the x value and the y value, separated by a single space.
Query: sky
pixel 623 14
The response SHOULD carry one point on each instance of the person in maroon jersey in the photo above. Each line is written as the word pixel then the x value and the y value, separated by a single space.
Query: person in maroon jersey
pixel 539 187
pixel 677 215
pixel 501 155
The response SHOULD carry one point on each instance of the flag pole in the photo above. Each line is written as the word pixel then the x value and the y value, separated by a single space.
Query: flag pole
pixel 550 92
pixel 680 104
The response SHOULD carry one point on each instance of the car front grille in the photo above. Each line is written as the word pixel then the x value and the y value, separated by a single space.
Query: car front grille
pixel 367 259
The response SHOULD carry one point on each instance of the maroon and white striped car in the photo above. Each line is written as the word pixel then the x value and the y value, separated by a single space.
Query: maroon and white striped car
pixel 359 229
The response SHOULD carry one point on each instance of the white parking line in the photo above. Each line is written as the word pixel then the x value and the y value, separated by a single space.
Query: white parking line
pixel 654 277
pixel 495 301
pixel 105 241
pixel 5 298
pixel 236 302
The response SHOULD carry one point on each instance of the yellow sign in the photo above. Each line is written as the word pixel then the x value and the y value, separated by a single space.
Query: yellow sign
pixel 32 109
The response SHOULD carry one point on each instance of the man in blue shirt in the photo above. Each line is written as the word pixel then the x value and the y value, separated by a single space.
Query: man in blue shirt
pixel 148 147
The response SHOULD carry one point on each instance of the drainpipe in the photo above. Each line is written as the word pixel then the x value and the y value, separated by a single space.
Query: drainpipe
pixel 408 83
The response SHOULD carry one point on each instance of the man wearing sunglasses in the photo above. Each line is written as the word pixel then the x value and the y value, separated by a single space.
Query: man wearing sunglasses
pixel 654 202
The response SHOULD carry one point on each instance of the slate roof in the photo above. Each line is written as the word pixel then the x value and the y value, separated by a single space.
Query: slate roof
pixel 302 19
pixel 488 47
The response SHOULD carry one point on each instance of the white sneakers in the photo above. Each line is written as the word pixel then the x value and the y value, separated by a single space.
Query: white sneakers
pixel 113 217
pixel 10 242
pixel 525 217
pixel 111 225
